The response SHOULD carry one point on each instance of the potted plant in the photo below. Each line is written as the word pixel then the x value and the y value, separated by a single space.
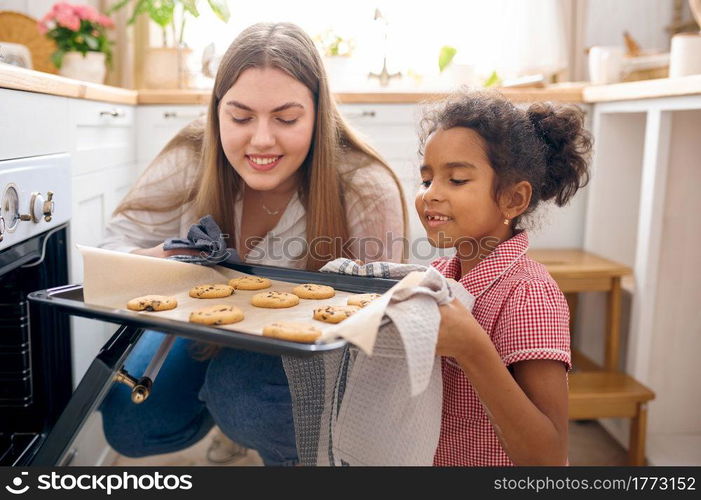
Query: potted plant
pixel 79 31
pixel 165 66
pixel 336 50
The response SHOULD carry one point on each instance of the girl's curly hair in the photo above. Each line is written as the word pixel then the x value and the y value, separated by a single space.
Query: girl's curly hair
pixel 546 144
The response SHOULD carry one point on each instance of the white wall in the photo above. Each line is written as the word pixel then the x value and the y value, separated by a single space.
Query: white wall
pixel 645 20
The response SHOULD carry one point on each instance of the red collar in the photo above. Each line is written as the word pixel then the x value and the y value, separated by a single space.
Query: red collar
pixel 482 276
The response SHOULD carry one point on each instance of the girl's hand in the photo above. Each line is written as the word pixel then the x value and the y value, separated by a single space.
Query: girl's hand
pixel 458 330
pixel 158 251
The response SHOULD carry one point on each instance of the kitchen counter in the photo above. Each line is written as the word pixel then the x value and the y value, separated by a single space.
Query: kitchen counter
pixel 644 89
pixel 12 77
pixel 561 93
pixel 34 81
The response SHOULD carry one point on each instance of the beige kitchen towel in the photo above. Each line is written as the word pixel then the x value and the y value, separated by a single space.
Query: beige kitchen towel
pixel 380 406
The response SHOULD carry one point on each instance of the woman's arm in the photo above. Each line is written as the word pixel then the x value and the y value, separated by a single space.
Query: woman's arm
pixel 528 409
pixel 144 229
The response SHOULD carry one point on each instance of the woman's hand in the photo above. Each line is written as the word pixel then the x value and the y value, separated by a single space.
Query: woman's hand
pixel 458 330
pixel 158 251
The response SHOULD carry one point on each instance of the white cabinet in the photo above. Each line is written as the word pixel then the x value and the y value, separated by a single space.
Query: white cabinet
pixel 156 125
pixel 32 124
pixel 103 149
pixel 392 130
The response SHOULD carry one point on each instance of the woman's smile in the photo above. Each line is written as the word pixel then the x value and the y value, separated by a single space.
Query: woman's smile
pixel 263 163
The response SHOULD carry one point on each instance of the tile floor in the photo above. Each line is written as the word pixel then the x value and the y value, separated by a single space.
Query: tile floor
pixel 590 444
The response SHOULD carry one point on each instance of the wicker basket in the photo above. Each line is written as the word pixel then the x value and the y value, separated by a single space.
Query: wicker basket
pixel 18 28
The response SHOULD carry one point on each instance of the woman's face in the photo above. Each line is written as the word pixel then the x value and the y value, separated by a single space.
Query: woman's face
pixel 266 122
pixel 455 201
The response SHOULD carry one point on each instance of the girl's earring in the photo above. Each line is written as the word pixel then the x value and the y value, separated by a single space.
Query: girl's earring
pixel 507 222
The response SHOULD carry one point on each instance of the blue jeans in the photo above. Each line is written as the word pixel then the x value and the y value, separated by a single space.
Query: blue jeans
pixel 245 393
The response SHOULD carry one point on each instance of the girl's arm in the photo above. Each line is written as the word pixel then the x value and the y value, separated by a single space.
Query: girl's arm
pixel 528 409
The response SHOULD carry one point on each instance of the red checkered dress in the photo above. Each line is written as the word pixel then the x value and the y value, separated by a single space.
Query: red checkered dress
pixel 526 315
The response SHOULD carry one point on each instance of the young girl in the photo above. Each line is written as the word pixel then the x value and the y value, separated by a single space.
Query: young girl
pixel 486 165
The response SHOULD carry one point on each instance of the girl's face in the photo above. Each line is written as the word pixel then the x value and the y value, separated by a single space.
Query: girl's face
pixel 455 201
pixel 266 122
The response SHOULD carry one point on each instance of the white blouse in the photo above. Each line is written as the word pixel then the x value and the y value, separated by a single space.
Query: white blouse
pixel 373 212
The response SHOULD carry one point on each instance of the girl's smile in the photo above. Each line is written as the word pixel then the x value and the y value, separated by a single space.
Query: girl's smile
pixel 435 219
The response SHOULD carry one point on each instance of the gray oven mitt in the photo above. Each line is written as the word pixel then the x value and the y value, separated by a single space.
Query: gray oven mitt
pixel 206 237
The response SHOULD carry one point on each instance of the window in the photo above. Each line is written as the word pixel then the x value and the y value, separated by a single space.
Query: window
pixel 513 37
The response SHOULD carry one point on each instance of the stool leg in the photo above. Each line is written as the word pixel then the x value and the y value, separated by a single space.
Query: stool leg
pixel 638 431
pixel 613 327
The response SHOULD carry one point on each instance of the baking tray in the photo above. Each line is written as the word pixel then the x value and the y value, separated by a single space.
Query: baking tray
pixel 69 298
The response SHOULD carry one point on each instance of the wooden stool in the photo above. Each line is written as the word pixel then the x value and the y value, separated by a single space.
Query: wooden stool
pixel 612 394
pixel 596 391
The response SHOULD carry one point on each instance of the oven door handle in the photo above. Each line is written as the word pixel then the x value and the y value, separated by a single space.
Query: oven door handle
pixel 141 388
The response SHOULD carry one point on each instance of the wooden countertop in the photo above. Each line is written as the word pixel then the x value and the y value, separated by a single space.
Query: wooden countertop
pixel 12 77
pixel 561 93
pixel 644 89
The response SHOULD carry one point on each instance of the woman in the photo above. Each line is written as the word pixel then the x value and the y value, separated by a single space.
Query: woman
pixel 285 177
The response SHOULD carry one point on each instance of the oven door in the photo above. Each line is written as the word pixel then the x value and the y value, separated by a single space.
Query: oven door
pixel 77 438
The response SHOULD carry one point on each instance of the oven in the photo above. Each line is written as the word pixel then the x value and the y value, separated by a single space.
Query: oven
pixel 35 349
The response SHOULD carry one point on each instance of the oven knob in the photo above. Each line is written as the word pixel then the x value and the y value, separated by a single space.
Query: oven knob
pixel 47 208
pixel 2 227
pixel 38 207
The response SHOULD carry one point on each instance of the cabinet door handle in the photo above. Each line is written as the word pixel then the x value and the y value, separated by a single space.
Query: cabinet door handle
pixel 174 114
pixel 368 113
pixel 114 113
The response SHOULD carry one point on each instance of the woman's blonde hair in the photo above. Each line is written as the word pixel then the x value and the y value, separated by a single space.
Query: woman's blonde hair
pixel 286 47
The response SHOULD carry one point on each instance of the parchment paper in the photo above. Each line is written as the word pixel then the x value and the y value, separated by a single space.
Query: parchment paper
pixel 111 279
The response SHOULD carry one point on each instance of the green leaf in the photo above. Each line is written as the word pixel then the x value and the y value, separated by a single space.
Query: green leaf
pixel 190 6
pixel 57 58
pixel 446 56
pixel 92 42
pixel 119 5
pixel 221 9
pixel 140 8
pixel 161 12
pixel 493 81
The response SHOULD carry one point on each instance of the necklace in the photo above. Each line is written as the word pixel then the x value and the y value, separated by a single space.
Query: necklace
pixel 267 210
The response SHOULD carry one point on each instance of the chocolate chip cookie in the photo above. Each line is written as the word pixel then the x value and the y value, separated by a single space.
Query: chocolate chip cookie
pixel 152 303
pixel 212 291
pixel 274 300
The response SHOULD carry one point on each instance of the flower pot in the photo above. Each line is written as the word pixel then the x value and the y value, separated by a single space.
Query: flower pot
pixel 166 68
pixel 89 68
pixel 342 72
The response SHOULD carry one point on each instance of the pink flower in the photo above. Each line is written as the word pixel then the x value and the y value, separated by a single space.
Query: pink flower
pixel 107 22
pixel 87 13
pixel 62 8
pixel 42 28
pixel 68 20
